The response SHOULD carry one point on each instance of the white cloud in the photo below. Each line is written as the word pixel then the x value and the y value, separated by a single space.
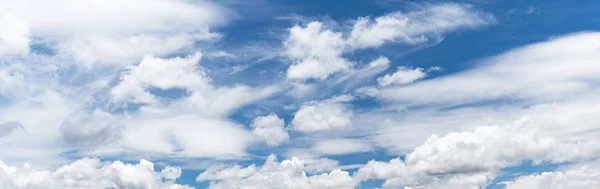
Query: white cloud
pixel 416 26
pixel 544 71
pixel 402 76
pixel 341 146
pixel 289 173
pixel 102 31
pixel 160 73
pixel 14 36
pixel 368 91
pixel 317 52
pixel 579 175
pixel 127 49
pixel 184 135
pixel 322 116
pixel 91 173
pixel 555 132
pixel 320 165
pixel 294 173
pixel 492 148
pixel 71 17
pixel 40 140
pixel 203 98
pixel 271 129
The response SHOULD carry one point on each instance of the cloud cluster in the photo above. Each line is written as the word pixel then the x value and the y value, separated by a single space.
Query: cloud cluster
pixel 91 173
pixel 317 52
pixel 286 174
pixel 580 175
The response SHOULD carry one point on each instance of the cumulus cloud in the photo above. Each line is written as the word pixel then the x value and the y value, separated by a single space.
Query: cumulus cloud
pixel 273 174
pixel 270 128
pixel 322 116
pixel 317 52
pixel 492 148
pixel 579 175
pixel 293 173
pixel 91 173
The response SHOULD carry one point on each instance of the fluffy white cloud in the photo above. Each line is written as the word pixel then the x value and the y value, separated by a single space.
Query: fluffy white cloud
pixel 580 175
pixel 322 116
pixel 293 173
pixel 14 36
pixel 402 76
pixel 492 148
pixel 416 26
pixel 91 173
pixel 398 174
pixel 556 132
pixel 341 146
pixel 286 174
pixel 160 73
pixel 317 52
pixel 271 128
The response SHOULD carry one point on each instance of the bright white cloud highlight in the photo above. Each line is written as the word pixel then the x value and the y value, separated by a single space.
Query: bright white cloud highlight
pixel 14 36
pixel 316 51
pixel 322 116
pixel 270 128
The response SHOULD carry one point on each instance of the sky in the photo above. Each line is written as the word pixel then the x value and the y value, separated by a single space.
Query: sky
pixel 180 94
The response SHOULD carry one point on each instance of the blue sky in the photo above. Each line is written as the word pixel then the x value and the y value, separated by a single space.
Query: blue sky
pixel 299 94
